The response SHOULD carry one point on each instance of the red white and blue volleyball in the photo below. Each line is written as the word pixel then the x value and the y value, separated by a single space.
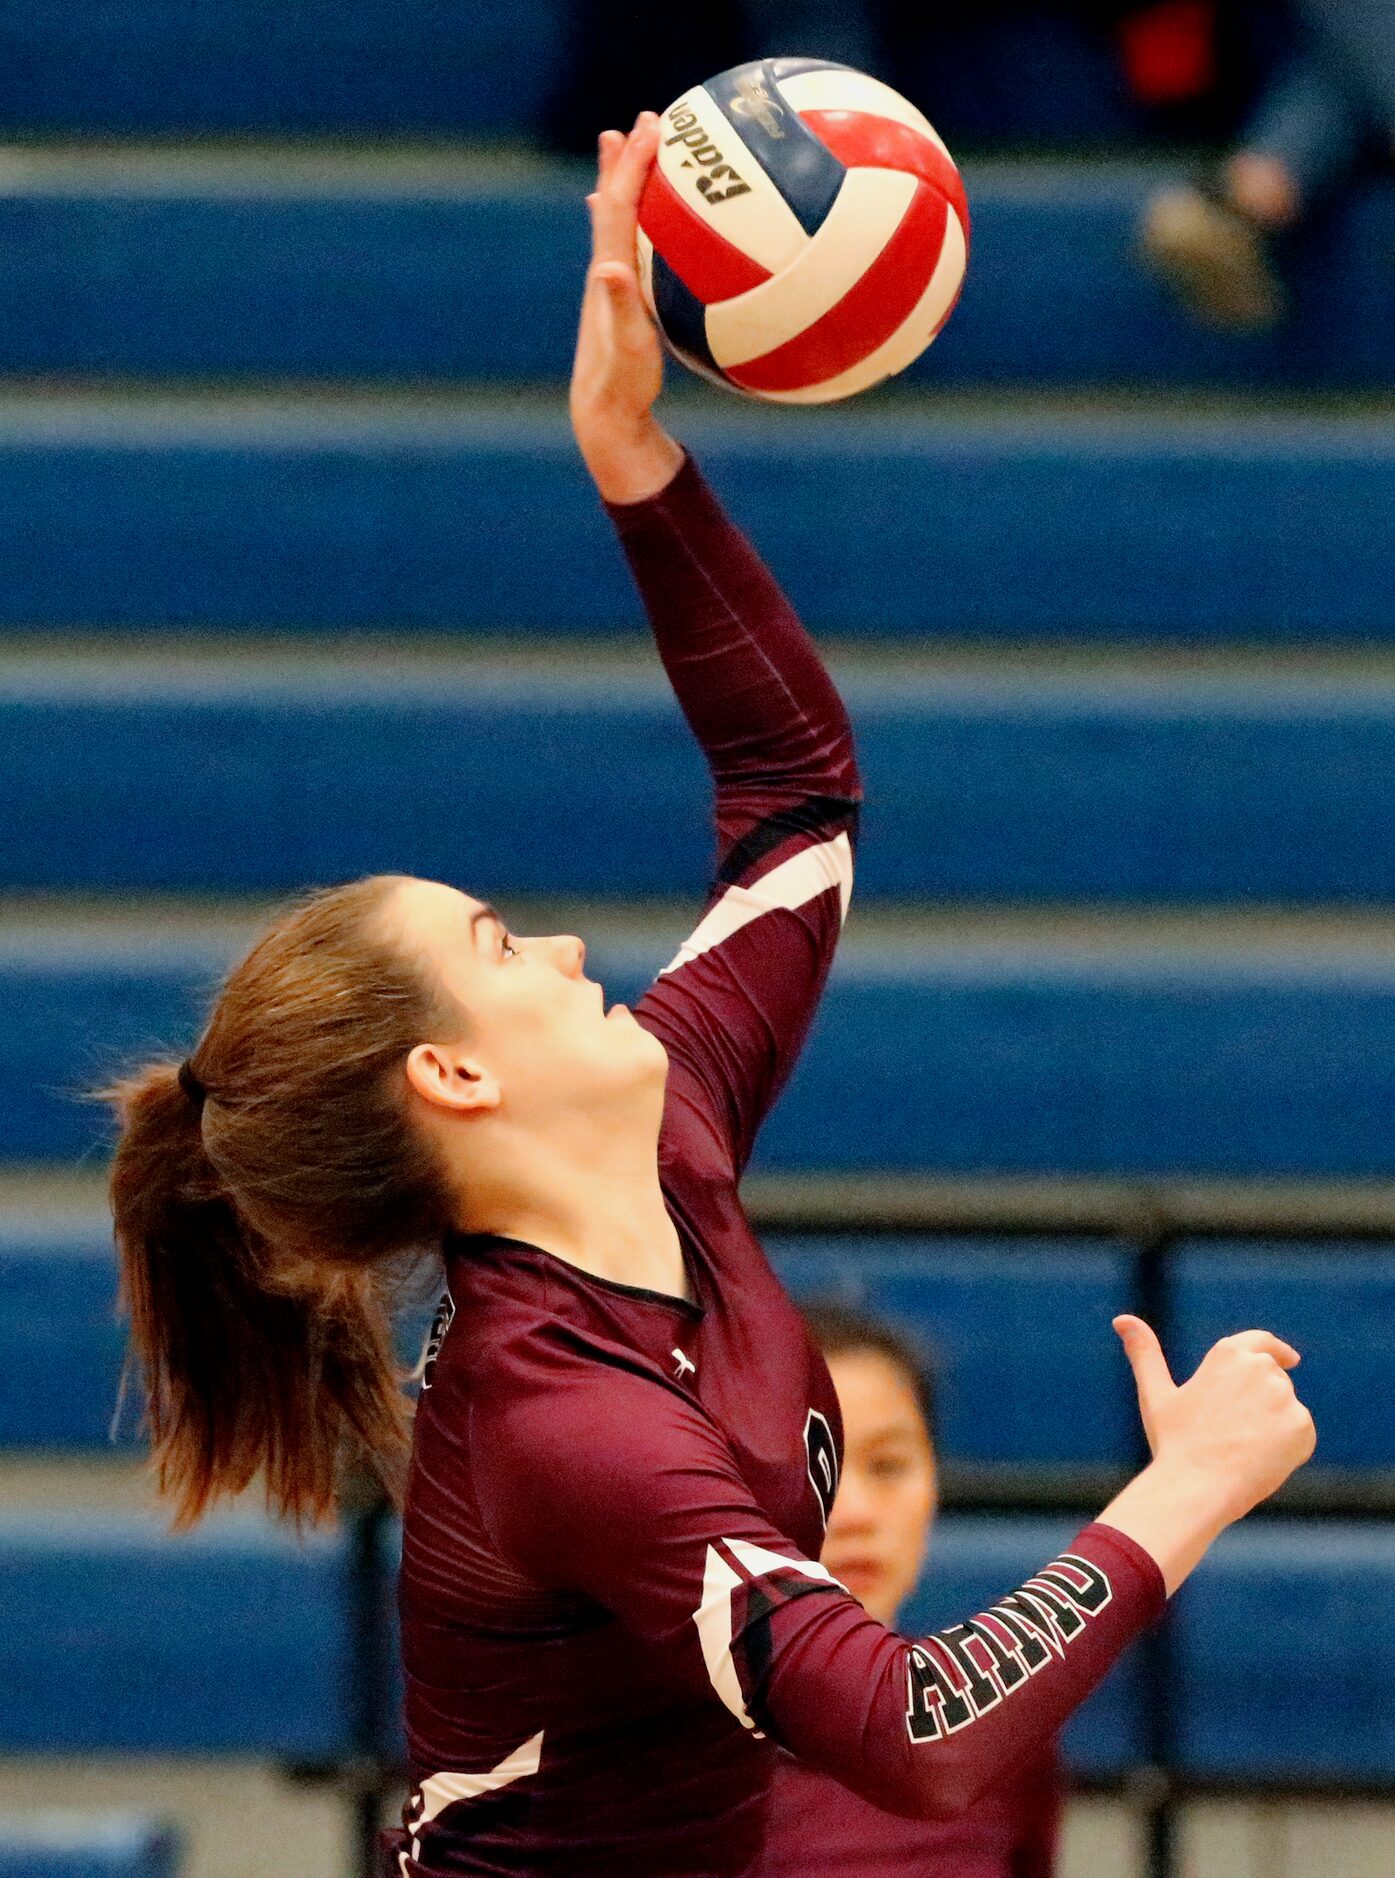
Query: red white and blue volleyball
pixel 804 233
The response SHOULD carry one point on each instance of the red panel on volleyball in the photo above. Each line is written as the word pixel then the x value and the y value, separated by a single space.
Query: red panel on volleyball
pixel 867 315
pixel 862 140
pixel 706 263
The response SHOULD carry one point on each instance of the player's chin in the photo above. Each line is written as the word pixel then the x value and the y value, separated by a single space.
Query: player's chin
pixel 641 1046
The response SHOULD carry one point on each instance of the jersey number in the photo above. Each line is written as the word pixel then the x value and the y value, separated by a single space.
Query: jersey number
pixel 823 1461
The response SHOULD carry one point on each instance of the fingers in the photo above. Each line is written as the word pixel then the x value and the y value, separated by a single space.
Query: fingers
pixel 1150 1372
pixel 1266 1344
pixel 625 163
pixel 628 311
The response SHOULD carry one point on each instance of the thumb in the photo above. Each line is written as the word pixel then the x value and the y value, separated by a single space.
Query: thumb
pixel 1150 1372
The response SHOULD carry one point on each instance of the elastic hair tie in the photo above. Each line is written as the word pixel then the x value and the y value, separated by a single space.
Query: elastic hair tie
pixel 191 1085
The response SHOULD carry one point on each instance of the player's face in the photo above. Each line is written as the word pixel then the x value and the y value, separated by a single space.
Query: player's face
pixel 881 1517
pixel 539 1026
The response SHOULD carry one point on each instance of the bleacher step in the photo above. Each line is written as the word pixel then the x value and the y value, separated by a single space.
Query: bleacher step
pixel 1029 1375
pixel 295 513
pixel 239 1609
pixel 154 66
pixel 1240 1050
pixel 441 263
pixel 193 771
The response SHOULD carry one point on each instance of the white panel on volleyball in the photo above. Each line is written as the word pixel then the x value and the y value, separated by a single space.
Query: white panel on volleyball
pixel 759 222
pixel 911 337
pixel 853 92
pixel 866 213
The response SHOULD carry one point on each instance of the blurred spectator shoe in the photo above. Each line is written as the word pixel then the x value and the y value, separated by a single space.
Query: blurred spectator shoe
pixel 1217 259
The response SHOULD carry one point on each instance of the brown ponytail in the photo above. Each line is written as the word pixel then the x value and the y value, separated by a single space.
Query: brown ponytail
pixel 262 1230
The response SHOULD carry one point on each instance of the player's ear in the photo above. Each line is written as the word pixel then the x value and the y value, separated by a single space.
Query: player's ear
pixel 451 1080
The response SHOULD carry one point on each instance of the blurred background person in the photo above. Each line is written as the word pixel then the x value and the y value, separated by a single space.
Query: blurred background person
pixel 1221 241
pixel 876 1544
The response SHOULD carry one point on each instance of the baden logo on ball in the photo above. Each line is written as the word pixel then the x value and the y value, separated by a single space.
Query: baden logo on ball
pixel 804 232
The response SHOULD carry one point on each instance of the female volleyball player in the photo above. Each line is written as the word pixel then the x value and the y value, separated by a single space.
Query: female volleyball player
pixel 877 1536
pixel 627 1444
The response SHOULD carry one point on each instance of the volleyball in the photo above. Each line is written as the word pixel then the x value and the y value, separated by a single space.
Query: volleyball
pixel 804 232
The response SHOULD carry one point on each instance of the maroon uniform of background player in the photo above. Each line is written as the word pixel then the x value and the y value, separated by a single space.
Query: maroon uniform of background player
pixel 879 1534
pixel 610 1609
pixel 817 1828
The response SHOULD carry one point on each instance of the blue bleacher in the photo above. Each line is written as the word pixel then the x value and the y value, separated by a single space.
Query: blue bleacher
pixel 147 772
pixel 70 1844
pixel 1284 1657
pixel 1039 1311
pixel 288 515
pixel 166 263
pixel 237 1645
pixel 238 1642
pixel 129 67
pixel 1049 1303
pixel 975 1560
pixel 1279 1674
pixel 121 1637
pixel 981 1309
pixel 1041 1056
pixel 1042 1310
pixel 58 1320
pixel 1334 1303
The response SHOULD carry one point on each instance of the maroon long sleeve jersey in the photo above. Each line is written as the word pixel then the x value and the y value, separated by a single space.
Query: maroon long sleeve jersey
pixel 611 1606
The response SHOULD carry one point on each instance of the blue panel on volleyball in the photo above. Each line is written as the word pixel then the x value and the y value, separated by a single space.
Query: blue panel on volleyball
pixel 123 772
pixel 1015 1333
pixel 53 1844
pixel 684 317
pixel 119 1636
pixel 61 1345
pixel 1335 1304
pixel 805 172
pixel 325 516
pixel 1285 1663
pixel 973 1562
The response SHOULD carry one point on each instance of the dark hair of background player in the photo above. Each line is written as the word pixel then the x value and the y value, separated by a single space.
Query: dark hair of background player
pixel 839 1328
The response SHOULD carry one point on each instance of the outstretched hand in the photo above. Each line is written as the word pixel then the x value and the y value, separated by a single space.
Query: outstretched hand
pixel 1236 1421
pixel 618 370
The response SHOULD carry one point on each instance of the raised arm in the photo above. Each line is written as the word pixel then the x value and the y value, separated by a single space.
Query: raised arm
pixel 734 1005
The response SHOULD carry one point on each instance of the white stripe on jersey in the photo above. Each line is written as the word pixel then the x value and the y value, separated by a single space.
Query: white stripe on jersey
pixel 801 878
pixel 442 1790
pixel 713 1617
